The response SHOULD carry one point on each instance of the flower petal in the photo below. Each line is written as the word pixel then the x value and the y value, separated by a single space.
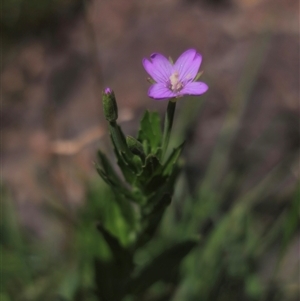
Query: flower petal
pixel 152 71
pixel 159 69
pixel 188 65
pixel 162 65
pixel 160 91
pixel 189 73
pixel 194 88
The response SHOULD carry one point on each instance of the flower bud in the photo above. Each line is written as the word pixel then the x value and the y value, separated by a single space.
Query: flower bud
pixel 135 146
pixel 109 105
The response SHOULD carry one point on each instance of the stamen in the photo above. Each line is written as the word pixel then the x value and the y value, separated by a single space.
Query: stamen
pixel 175 84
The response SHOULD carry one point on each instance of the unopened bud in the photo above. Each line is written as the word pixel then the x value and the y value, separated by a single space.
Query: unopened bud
pixel 109 105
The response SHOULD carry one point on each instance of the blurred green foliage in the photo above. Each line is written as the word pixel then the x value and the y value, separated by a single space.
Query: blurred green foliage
pixel 225 266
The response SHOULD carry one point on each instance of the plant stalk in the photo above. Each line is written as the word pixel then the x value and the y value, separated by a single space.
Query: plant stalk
pixel 168 125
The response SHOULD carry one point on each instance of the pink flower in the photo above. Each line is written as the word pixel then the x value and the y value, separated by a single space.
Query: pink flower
pixel 174 80
pixel 107 90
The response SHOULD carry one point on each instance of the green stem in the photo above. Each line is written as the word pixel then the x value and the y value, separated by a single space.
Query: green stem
pixel 168 125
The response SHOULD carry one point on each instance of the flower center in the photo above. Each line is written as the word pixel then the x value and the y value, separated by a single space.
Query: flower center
pixel 175 85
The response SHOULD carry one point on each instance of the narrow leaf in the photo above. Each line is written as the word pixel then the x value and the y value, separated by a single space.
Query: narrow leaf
pixel 172 160
pixel 120 254
pixel 150 168
pixel 162 266
pixel 110 176
pixel 150 131
pixel 153 220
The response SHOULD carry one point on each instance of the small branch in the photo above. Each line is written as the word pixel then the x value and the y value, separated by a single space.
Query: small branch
pixel 72 147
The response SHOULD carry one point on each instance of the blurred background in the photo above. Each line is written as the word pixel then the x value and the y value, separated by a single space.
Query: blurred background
pixel 239 188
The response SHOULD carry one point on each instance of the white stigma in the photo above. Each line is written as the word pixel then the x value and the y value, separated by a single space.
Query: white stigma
pixel 175 84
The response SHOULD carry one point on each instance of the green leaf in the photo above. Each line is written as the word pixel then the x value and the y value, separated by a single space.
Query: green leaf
pixel 128 173
pixel 128 211
pixel 162 266
pixel 121 255
pixel 121 197
pixel 172 160
pixel 153 185
pixel 121 148
pixel 135 147
pixel 118 137
pixel 152 220
pixel 163 180
pixel 109 175
pixel 150 131
pixel 156 175
pixel 109 170
pixel 150 168
pixel 112 275
pixel 161 184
